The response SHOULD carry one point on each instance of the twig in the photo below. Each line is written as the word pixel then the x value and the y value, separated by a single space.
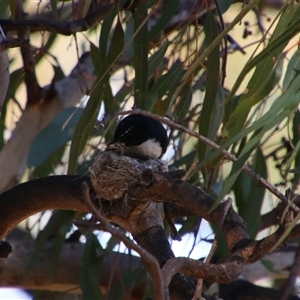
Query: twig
pixel 161 292
pixel 13 43
pixel 228 155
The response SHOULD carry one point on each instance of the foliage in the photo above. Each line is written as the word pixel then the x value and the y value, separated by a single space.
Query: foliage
pixel 178 70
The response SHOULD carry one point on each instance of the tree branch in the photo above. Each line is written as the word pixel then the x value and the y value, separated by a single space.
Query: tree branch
pixel 151 263
pixel 144 189
pixel 26 199
pixel 61 27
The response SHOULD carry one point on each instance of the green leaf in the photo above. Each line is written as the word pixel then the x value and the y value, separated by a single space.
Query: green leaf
pixel 15 80
pixel 115 49
pixel 105 32
pixel 109 101
pixel 165 83
pixel 292 70
pixel 89 276
pixel 140 55
pixel 197 62
pixel 48 166
pixel 258 90
pixel 269 266
pixel 53 4
pixel 96 57
pixel 224 5
pixel 184 102
pixel 87 121
pixel 54 136
pixel 84 127
pixel 170 8
pixel 4 9
pixel 212 83
pixel 266 75
pixel 186 159
pixel 157 58
pixel 296 139
pixel 282 107
pixel 121 288
pixel 59 243
pixel 249 195
pixel 57 221
pixel 86 6
pixel 12 7
pixel 188 225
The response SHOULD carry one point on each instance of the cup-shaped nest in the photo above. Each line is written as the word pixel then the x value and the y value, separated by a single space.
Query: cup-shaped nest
pixel 112 174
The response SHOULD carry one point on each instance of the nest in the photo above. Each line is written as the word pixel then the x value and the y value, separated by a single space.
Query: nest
pixel 112 174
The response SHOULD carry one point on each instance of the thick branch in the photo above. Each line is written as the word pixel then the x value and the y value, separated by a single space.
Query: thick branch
pixel 222 273
pixel 26 199
pixel 139 192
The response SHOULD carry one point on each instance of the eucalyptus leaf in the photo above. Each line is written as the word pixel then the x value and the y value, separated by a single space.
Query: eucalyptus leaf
pixel 140 55
pixel 54 136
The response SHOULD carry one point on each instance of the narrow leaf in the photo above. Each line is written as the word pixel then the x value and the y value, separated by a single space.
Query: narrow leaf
pixel 87 121
pixel 287 27
pixel 212 82
pixel 293 69
pixel 54 136
pixel 170 8
pixel 53 4
pixel 140 55
pixel 89 276
pixel 105 32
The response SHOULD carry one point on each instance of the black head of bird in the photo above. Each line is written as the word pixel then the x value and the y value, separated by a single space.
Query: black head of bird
pixel 141 137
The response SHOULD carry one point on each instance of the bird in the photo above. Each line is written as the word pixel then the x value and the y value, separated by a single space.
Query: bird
pixel 140 137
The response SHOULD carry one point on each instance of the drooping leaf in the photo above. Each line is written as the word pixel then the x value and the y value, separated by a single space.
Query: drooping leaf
pixel 281 108
pixel 89 278
pixel 249 195
pixel 224 5
pixel 257 93
pixel 292 70
pixel 170 8
pixel 165 84
pixel 105 32
pixel 157 58
pixel 184 102
pixel 48 166
pixel 58 220
pixel 15 80
pixel 53 4
pixel 212 83
pixel 266 75
pixel 87 121
pixel 296 139
pixel 12 7
pixel 140 54
pixel 54 136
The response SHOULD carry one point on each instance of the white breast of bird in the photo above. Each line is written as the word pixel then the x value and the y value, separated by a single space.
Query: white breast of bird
pixel 149 149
